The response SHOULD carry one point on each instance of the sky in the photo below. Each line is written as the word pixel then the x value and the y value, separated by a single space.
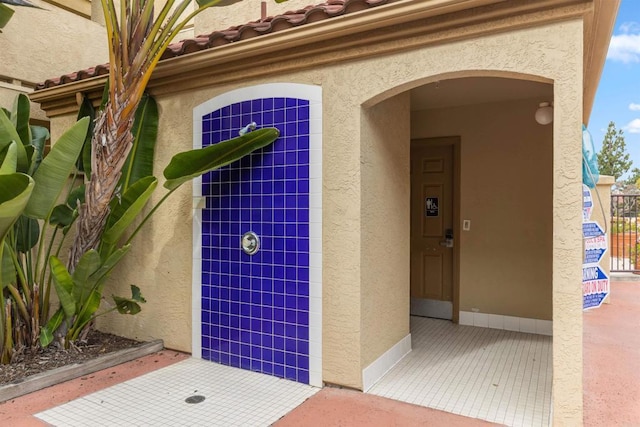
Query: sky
pixel 618 95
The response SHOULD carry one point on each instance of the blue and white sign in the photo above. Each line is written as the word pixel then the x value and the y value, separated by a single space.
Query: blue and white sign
pixel 595 286
pixel 593 256
pixel 591 229
pixel 594 249
pixel 587 203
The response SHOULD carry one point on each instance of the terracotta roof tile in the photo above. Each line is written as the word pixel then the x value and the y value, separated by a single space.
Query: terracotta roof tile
pixel 271 24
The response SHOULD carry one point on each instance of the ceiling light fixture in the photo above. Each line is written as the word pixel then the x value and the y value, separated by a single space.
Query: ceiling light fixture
pixel 544 113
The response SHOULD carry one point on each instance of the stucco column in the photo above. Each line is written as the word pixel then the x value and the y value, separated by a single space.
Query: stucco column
pixel 567 235
pixel 341 238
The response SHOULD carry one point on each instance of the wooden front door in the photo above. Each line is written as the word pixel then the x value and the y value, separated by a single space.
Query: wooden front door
pixel 432 229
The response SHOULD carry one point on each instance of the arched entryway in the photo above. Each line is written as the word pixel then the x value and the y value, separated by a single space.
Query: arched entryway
pixel 463 177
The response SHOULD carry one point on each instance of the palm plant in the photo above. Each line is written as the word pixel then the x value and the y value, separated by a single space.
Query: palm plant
pixel 104 207
pixel 136 43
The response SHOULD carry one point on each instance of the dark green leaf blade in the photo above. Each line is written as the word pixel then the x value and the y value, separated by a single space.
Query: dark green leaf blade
pixel 130 305
pixel 39 136
pixel 53 173
pixel 20 118
pixel 15 191
pixel 124 211
pixel 61 216
pixel 7 268
pixel 190 164
pixel 89 263
pixel 86 110
pixel 8 134
pixel 139 163
pixel 27 233
pixel 46 333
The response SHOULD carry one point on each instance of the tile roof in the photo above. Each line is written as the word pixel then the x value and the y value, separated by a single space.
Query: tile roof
pixel 291 19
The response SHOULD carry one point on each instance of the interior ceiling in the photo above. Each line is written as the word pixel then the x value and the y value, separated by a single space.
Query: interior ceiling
pixel 477 90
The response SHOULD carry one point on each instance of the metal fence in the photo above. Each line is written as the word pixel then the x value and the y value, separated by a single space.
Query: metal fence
pixel 625 243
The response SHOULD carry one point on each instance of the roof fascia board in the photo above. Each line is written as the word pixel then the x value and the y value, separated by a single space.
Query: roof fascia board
pixel 310 41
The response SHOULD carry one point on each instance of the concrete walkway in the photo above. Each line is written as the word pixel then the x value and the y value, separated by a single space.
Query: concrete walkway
pixel 611 382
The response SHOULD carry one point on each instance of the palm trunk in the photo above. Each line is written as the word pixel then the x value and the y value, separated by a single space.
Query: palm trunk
pixel 111 142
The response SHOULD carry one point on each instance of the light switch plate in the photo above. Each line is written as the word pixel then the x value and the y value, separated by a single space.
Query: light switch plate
pixel 466 224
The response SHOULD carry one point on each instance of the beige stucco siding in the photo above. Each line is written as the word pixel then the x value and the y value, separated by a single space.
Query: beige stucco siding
pixel 38 44
pixel 161 263
pixel 506 183
pixel 385 225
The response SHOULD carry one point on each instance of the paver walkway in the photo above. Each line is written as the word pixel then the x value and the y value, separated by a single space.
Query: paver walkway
pixel 611 382
pixel 611 347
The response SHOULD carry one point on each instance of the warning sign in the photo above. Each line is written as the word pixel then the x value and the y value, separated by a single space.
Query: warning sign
pixel 595 286
pixel 431 206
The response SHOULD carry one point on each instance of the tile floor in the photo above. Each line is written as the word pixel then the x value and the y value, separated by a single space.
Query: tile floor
pixel 495 375
pixel 233 397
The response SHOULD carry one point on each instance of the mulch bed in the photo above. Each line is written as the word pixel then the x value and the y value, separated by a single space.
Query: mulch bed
pixel 30 362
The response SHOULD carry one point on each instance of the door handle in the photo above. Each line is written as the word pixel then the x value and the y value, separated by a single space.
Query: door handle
pixel 447 243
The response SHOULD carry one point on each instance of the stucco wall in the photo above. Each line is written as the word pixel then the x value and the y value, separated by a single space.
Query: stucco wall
pixel 41 43
pixel 38 44
pixel 553 52
pixel 506 192
pixel 385 225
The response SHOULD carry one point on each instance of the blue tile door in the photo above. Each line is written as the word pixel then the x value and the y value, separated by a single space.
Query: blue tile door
pixel 255 308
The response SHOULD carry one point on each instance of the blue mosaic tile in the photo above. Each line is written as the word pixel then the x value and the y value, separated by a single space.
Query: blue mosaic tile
pixel 255 309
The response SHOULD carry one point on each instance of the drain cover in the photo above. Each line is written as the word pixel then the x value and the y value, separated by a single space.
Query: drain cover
pixel 194 399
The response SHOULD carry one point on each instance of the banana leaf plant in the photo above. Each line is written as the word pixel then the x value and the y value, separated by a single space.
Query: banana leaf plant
pixel 80 291
pixel 136 42
pixel 37 183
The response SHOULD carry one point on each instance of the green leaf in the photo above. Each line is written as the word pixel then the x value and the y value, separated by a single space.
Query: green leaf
pixel 7 268
pixel 27 233
pixel 46 333
pixel 9 160
pixel 20 118
pixel 125 211
pixel 53 173
pixel 89 263
pixel 39 136
pixel 130 305
pixel 103 272
pixel 5 14
pixel 86 110
pixel 91 305
pixel 61 216
pixel 139 163
pixel 105 96
pixel 8 134
pixel 15 190
pixel 64 286
pixel 76 195
pixel 190 164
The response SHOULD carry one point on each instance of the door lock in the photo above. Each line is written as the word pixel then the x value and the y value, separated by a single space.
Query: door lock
pixel 448 238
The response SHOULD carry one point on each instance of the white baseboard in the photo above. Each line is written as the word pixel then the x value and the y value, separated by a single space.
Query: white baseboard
pixel 372 373
pixel 509 323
